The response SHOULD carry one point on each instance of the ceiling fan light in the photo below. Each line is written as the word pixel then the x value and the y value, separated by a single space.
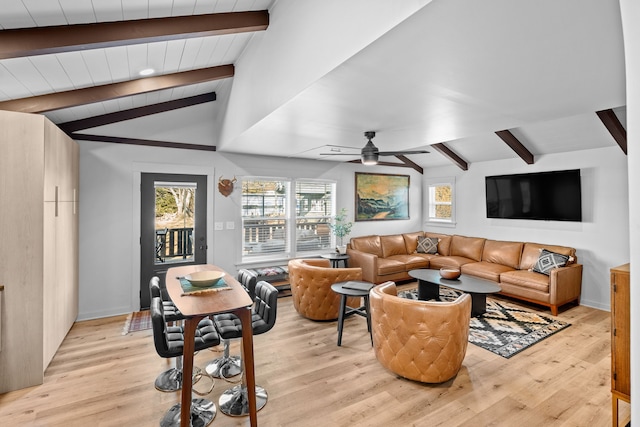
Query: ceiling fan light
pixel 369 159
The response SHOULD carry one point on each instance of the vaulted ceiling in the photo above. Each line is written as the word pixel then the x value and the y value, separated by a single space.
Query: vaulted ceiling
pixel 469 81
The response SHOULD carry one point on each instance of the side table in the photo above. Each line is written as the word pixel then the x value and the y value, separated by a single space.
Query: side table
pixel 335 259
pixel 353 288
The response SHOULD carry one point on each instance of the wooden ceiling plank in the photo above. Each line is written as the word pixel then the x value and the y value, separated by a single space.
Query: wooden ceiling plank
pixel 447 152
pixel 134 113
pixel 410 163
pixel 615 128
pixel 72 98
pixel 516 146
pixel 146 142
pixel 22 42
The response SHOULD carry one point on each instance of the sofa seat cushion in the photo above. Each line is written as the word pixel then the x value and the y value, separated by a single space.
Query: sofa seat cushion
pixel 411 262
pixel 485 270
pixel 437 262
pixel 526 279
pixel 390 266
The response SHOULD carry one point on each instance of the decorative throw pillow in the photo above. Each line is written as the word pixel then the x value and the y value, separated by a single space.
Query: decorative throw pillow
pixel 427 245
pixel 548 260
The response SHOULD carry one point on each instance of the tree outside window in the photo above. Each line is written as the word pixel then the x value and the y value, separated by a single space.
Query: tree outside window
pixel 440 199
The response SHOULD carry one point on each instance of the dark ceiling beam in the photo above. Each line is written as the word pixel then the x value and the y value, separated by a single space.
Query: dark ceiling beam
pixel 147 142
pixel 15 43
pixel 72 98
pixel 447 152
pixel 134 113
pixel 516 145
pixel 410 163
pixel 615 128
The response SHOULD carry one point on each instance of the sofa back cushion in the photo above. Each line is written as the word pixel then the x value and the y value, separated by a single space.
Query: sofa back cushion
pixel 444 242
pixel 501 252
pixel 531 253
pixel 411 241
pixel 392 244
pixel 468 247
pixel 368 244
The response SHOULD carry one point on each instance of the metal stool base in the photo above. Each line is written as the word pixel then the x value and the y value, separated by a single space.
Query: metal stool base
pixel 234 401
pixel 171 379
pixel 203 411
pixel 224 367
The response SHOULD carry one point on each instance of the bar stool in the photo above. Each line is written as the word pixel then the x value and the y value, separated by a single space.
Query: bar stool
pixel 171 379
pixel 234 401
pixel 169 342
pixel 227 366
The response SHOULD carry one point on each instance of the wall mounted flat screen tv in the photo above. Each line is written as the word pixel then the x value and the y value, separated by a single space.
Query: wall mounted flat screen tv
pixel 548 196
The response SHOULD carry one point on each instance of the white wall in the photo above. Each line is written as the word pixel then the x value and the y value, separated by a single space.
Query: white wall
pixel 110 211
pixel 630 11
pixel 601 239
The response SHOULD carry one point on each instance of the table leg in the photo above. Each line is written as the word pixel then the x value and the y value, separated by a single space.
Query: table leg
pixel 190 325
pixel 343 308
pixel 366 307
pixel 248 374
pixel 478 304
pixel 428 291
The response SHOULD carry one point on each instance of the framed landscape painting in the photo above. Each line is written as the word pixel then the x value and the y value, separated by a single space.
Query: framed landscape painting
pixel 381 197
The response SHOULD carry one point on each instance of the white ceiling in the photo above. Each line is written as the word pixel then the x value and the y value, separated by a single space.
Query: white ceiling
pixel 453 72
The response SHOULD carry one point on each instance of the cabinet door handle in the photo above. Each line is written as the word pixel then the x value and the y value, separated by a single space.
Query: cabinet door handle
pixel 56 200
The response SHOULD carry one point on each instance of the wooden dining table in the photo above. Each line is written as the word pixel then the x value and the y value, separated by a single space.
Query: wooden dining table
pixel 195 307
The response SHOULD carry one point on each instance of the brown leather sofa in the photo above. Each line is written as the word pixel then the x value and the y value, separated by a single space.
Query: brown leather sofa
pixel 311 281
pixel 391 257
pixel 420 340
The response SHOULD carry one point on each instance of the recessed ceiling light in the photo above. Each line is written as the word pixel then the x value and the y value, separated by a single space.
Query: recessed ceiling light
pixel 146 72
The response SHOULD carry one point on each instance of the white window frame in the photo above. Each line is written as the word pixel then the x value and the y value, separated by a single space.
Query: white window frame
pixel 431 203
pixel 291 219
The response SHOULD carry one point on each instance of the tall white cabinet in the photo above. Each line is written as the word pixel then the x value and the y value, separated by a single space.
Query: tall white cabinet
pixel 39 174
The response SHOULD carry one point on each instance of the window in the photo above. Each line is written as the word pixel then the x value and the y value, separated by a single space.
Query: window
pixel 314 209
pixel 270 228
pixel 264 216
pixel 440 201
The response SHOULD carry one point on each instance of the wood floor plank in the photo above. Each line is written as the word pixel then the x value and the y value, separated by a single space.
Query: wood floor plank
pixel 100 377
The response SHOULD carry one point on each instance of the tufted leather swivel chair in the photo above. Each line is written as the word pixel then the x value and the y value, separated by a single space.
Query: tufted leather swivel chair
pixel 420 340
pixel 311 281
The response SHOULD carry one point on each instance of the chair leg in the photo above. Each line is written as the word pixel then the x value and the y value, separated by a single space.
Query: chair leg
pixel 203 411
pixel 235 402
pixel 171 379
pixel 225 366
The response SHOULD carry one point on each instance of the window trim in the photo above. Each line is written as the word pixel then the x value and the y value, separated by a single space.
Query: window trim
pixel 435 182
pixel 290 218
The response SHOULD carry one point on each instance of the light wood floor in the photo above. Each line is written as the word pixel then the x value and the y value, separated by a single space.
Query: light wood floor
pixel 102 378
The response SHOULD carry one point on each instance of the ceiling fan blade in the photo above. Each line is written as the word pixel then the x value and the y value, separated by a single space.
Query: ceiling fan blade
pixel 401 153
pixel 339 154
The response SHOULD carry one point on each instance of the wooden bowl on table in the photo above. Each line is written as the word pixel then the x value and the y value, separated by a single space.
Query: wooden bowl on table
pixel 204 278
pixel 449 273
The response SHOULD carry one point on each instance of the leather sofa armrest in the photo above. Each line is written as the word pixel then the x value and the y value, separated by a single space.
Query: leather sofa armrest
pixel 366 261
pixel 565 283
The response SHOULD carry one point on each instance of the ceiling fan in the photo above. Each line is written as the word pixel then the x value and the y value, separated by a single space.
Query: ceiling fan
pixel 369 154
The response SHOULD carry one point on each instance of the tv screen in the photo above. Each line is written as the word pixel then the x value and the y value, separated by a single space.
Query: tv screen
pixel 549 196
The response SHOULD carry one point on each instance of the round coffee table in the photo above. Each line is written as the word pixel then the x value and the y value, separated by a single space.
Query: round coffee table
pixel 353 288
pixel 429 282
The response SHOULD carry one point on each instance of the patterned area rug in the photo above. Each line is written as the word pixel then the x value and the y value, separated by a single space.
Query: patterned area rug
pixel 137 321
pixel 504 329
